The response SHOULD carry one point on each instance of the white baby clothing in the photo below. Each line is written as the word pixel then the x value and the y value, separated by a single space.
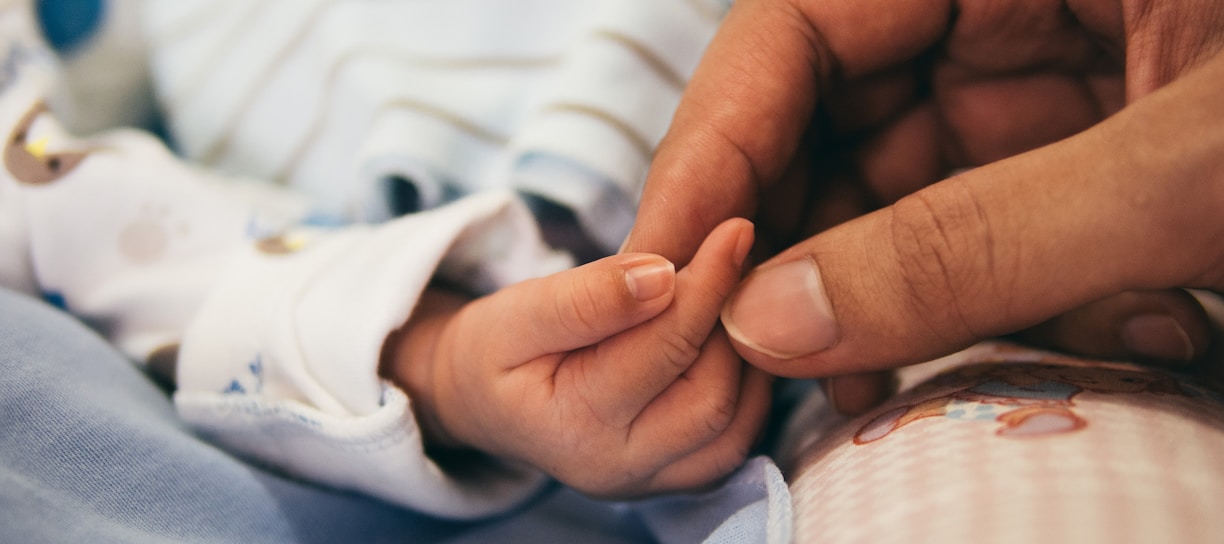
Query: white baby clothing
pixel 280 317
pixel 558 98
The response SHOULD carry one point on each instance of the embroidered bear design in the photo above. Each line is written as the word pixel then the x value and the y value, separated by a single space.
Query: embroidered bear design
pixel 28 159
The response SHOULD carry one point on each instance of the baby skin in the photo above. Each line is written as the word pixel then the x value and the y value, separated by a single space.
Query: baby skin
pixel 611 377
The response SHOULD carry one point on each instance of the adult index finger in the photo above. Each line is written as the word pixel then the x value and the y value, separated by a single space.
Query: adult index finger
pixel 751 99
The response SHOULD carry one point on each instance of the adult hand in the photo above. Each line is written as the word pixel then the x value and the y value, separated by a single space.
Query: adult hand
pixel 909 90
pixel 605 376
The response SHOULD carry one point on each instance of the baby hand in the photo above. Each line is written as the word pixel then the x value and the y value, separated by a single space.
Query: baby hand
pixel 606 376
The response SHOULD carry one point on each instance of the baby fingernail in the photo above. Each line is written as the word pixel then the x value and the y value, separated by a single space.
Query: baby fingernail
pixel 651 280
pixel 1157 336
pixel 782 311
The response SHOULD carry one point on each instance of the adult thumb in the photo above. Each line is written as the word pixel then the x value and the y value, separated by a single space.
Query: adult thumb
pixel 1126 205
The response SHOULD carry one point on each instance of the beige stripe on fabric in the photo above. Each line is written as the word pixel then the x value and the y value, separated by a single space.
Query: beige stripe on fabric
pixel 607 118
pixel 312 133
pixel 646 55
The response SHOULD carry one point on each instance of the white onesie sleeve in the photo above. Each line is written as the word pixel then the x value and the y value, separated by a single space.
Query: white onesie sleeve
pixel 281 363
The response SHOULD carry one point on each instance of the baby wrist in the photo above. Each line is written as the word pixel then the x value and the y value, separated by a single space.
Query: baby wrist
pixel 410 361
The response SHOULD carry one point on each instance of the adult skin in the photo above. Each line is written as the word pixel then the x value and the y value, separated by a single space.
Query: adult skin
pixel 1094 130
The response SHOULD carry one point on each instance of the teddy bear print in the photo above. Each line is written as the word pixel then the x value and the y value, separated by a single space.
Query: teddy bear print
pixel 28 155
pixel 1027 399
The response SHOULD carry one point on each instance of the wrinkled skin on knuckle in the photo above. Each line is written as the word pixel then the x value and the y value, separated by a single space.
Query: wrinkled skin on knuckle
pixel 945 246
pixel 581 312
pixel 717 409
pixel 678 348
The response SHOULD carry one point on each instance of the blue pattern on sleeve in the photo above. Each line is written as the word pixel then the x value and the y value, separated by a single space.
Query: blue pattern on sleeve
pixel 68 24
pixel 55 298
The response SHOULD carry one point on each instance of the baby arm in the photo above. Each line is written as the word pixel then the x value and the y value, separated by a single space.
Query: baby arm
pixel 605 376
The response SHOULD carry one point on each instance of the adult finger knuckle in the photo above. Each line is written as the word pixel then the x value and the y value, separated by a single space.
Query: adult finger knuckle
pixel 945 243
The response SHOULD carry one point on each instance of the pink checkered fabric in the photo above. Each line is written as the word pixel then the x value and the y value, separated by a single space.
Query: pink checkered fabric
pixel 1048 449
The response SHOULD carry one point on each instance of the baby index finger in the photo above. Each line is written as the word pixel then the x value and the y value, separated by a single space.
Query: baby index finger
pixel 623 374
pixel 574 308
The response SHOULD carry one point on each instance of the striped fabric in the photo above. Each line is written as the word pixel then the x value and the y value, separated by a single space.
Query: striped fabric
pixel 456 96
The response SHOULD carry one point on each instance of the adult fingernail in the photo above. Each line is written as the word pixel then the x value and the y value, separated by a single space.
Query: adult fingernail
pixel 782 311
pixel 651 280
pixel 1157 336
